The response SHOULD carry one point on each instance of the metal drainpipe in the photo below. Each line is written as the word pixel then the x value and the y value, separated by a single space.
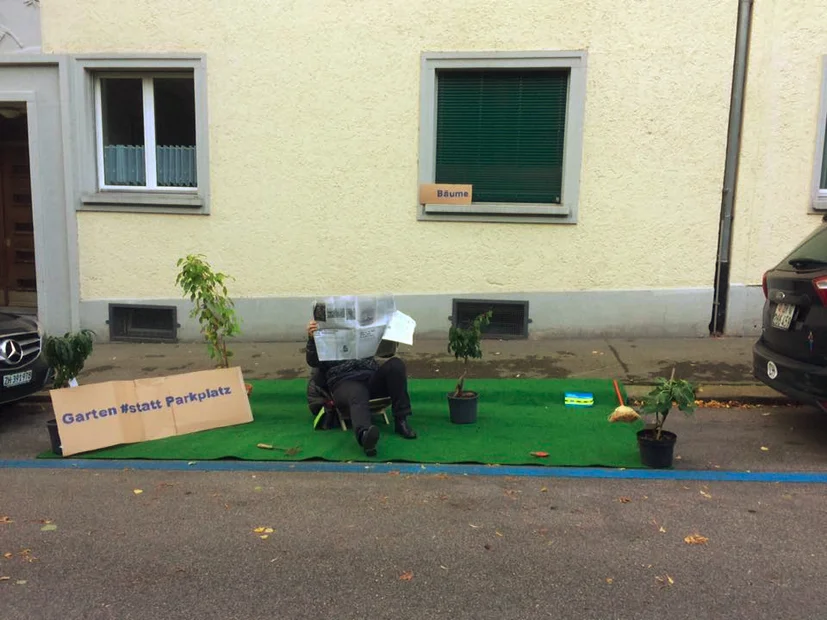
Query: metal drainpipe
pixel 736 115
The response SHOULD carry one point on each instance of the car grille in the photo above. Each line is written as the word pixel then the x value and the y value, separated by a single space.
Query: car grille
pixel 29 344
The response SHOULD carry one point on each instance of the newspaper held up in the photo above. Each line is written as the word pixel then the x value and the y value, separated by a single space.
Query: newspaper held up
pixel 353 327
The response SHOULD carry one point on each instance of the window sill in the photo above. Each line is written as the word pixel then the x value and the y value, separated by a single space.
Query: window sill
pixel 820 203
pixel 144 202
pixel 498 212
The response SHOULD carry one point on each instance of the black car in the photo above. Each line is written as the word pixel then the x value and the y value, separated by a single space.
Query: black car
pixel 23 370
pixel 791 355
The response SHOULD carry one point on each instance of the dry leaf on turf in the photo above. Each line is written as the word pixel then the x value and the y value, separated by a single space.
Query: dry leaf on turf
pixel 695 539
pixel 542 455
pixel 264 446
pixel 137 491
pixel 406 576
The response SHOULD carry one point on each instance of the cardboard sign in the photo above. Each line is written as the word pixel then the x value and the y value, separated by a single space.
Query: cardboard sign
pixel 99 415
pixel 443 194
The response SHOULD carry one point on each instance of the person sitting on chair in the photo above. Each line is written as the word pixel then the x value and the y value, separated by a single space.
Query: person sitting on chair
pixel 352 383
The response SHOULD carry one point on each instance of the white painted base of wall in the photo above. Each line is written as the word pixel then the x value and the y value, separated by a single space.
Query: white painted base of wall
pixel 633 314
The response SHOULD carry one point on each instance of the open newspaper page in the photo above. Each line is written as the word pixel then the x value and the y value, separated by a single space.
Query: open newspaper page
pixel 351 327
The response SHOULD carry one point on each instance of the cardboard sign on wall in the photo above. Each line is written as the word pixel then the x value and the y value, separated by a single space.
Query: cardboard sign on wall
pixel 445 194
pixel 99 415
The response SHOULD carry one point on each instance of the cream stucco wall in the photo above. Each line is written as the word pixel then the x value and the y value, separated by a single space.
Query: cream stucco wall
pixel 314 116
pixel 773 203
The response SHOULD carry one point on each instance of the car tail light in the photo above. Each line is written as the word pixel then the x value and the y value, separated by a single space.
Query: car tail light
pixel 820 285
pixel 764 285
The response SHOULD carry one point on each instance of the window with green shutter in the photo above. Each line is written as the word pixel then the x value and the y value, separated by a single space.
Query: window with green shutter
pixel 502 131
pixel 823 185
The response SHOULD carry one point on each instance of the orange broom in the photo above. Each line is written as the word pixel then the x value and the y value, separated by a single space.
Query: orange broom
pixel 622 413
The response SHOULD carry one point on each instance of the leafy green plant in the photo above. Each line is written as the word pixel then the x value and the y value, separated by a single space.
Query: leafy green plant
pixel 464 343
pixel 213 306
pixel 67 354
pixel 669 393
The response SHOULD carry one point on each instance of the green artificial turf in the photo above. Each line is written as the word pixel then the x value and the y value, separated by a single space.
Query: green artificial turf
pixel 516 417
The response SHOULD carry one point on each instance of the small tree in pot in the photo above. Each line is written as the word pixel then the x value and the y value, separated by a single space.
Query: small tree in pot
pixel 657 445
pixel 212 306
pixel 464 343
pixel 66 356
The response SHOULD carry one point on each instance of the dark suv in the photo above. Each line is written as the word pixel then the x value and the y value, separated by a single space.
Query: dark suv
pixel 791 355
pixel 23 371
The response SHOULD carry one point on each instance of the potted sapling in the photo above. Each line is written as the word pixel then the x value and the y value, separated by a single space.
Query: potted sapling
pixel 657 445
pixel 66 356
pixel 464 343
pixel 212 306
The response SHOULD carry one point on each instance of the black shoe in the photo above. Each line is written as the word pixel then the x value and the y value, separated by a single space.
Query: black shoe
pixel 401 427
pixel 368 440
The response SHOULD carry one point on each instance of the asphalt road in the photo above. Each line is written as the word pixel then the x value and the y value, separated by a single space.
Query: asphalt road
pixel 84 544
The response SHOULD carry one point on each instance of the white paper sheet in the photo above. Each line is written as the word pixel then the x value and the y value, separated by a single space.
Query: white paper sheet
pixel 400 328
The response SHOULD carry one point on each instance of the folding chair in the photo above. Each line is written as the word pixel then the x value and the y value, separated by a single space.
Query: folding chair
pixel 377 406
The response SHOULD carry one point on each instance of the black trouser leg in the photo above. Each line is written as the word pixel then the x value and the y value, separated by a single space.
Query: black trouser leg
pixel 351 398
pixel 391 380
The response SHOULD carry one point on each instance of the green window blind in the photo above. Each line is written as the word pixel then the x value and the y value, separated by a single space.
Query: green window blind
pixel 823 184
pixel 502 131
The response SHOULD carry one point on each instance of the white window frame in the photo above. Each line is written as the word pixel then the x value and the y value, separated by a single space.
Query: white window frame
pixel 150 163
pixel 563 213
pixel 91 194
pixel 819 198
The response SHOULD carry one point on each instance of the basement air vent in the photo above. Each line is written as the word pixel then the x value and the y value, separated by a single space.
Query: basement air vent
pixel 509 319
pixel 138 323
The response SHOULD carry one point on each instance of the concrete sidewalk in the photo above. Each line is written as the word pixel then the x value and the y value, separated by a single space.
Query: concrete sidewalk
pixel 722 367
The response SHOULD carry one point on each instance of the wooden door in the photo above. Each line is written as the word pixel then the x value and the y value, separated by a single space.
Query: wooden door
pixel 18 281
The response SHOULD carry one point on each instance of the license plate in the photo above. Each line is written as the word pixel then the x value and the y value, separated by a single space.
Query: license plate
pixel 18 378
pixel 783 316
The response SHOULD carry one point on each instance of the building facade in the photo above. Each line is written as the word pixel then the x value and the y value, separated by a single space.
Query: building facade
pixel 288 142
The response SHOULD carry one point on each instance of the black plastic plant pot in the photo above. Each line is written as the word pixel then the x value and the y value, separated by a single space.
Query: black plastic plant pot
pixel 656 453
pixel 463 409
pixel 54 437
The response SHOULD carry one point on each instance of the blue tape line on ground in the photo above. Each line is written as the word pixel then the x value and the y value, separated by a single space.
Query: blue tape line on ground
pixel 412 468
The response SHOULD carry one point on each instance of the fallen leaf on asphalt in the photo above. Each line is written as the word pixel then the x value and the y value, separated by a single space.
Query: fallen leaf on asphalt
pixel 4 578
pixel 706 495
pixel 695 539
pixel 268 530
pixel 8 555
pixel 544 490
pixel 50 527
pixel 406 576
pixel 474 526
pixel 624 500
pixel 765 449
pixel 256 488
pixel 21 582
pixel 498 534
pixel 662 530
pixel 259 530
pixel 264 536
pixel 443 567
pixel 665 580
pixel 609 580
pixel 5 519
pixel 487 546
pixel 137 491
